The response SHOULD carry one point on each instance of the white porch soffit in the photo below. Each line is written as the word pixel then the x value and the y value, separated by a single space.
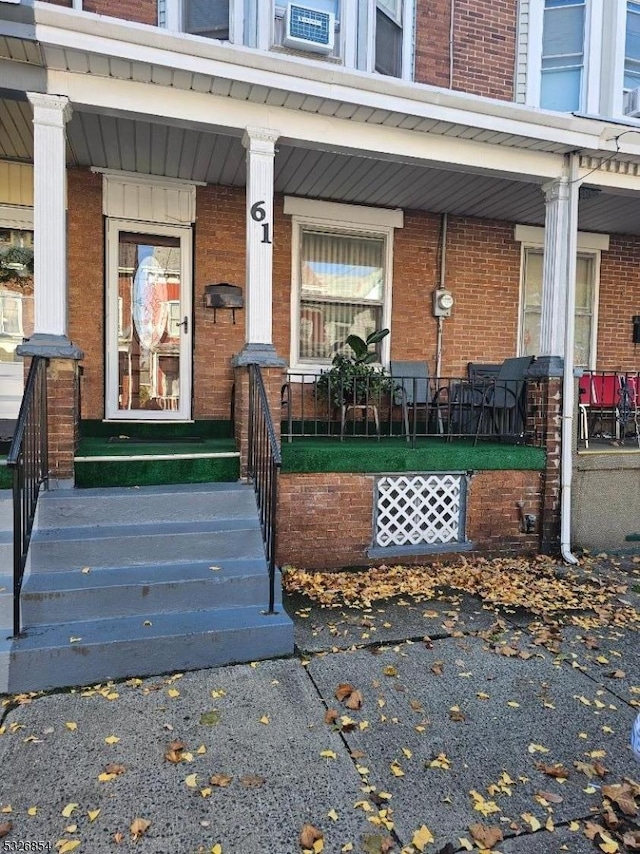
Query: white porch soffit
pixel 137 54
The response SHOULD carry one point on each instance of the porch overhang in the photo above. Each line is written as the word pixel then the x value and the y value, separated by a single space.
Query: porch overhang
pixel 170 104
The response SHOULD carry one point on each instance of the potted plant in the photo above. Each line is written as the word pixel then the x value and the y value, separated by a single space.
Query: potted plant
pixel 354 379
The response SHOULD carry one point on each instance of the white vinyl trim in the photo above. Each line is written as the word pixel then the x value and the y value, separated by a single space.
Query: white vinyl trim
pixel 343 214
pixel 16 216
pixel 533 236
pixel 147 199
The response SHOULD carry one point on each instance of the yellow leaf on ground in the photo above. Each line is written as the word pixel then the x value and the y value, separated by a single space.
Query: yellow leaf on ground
pixel 201 750
pixel 191 781
pixel 173 693
pixel 66 845
pixel 111 739
pixel 537 748
pixel 217 849
pixel 32 811
pixel 327 754
pixel 574 825
pixel 513 704
pixel 265 719
pixel 206 792
pixel 333 815
pixel 407 752
pixel 532 821
pixel 66 812
pixel 422 837
pixel 396 770
pixel 71 725
pixel 464 843
pixel 93 814
pixel 609 846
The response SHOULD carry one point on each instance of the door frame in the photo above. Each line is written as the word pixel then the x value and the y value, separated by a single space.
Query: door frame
pixel 185 234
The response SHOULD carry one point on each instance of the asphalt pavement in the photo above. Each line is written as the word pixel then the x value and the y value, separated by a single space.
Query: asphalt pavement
pixel 456 727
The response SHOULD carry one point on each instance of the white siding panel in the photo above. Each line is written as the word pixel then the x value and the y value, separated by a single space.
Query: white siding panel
pixel 16 183
pixel 522 51
pixel 148 200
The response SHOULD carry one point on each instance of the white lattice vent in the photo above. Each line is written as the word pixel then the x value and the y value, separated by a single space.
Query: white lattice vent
pixel 425 509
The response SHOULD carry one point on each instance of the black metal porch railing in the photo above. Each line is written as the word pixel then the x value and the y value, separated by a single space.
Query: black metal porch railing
pixel 609 407
pixel 264 464
pixel 28 459
pixel 446 408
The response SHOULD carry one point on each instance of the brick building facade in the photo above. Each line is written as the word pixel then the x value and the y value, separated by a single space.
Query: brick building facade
pixel 457 168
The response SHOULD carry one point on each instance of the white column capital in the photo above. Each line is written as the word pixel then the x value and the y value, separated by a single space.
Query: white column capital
pixel 556 190
pixel 260 140
pixel 54 110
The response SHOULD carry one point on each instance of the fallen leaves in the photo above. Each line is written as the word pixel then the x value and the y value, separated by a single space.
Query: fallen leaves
pixel 422 837
pixel 5 828
pixel 536 585
pixel 139 827
pixel 485 836
pixel 311 839
pixel 350 696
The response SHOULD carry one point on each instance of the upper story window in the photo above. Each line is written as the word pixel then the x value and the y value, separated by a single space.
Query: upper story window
pixel 388 43
pixel 208 18
pixel 563 40
pixel 632 47
pixel 370 35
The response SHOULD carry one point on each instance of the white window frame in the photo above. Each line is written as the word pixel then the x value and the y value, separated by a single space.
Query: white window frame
pixel 341 219
pixel 408 38
pixel 174 19
pixel 532 237
pixel 18 299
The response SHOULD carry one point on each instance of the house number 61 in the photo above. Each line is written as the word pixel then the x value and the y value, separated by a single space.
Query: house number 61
pixel 258 214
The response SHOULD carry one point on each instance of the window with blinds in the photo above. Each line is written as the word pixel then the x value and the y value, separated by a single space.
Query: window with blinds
pixel 562 54
pixel 532 305
pixel 208 18
pixel 342 279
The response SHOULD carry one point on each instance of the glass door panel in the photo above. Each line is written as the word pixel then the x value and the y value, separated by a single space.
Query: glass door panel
pixel 148 349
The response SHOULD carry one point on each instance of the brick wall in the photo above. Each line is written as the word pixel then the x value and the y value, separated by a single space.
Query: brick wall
pixel 619 301
pixel 484 45
pixel 142 11
pixel 326 520
pixel 62 398
pixel 85 237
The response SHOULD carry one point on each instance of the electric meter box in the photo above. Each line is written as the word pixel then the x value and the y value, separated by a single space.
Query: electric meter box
pixel 442 303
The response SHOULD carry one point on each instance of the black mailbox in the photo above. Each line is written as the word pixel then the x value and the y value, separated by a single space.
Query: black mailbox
pixel 223 295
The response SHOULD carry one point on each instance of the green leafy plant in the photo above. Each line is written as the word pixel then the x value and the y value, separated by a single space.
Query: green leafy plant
pixel 15 262
pixel 354 379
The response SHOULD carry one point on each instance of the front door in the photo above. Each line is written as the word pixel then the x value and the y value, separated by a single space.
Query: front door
pixel 148 336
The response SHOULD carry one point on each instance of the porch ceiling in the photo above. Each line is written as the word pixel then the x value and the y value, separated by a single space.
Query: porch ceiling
pixel 114 142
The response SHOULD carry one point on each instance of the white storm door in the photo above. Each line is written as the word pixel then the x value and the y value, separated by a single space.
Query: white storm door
pixel 149 319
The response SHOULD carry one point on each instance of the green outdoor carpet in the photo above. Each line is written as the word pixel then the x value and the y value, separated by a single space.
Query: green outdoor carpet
pixel 6 478
pixel 156 429
pixel 95 446
pixel 396 455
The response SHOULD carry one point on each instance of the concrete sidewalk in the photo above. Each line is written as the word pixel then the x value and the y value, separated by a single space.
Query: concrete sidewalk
pixel 450 733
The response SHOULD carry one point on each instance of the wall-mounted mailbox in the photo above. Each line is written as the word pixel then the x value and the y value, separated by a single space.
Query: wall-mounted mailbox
pixel 223 295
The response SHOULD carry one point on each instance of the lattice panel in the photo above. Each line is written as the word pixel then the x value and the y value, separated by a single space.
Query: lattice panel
pixel 420 509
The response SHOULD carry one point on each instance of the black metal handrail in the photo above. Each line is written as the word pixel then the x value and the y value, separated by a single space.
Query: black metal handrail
pixel 29 461
pixel 264 462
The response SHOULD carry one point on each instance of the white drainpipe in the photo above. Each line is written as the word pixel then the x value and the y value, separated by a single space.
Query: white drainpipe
pixel 77 5
pixel 566 460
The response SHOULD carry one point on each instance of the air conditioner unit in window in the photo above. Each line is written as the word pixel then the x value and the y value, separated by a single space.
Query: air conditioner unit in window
pixel 308 29
pixel 632 103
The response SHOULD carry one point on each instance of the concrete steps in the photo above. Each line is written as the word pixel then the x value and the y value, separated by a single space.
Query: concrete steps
pixel 150 579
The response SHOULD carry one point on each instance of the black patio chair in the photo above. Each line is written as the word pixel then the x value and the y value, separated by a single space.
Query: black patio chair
pixel 503 408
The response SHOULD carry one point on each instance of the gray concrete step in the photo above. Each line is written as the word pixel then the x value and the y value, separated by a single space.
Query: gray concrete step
pixel 69 549
pixel 6 601
pixel 122 505
pixel 6 510
pixel 86 652
pixel 49 598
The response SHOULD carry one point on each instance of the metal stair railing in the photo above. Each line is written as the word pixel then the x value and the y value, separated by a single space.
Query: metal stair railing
pixel 28 459
pixel 264 463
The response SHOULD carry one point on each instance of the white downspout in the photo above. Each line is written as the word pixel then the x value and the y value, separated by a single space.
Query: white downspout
pixel 566 459
pixel 443 268
pixel 77 5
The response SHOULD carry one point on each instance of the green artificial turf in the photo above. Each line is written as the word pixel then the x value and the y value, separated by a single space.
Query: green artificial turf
pixel 96 446
pixel 6 477
pixel 157 472
pixel 156 429
pixel 396 455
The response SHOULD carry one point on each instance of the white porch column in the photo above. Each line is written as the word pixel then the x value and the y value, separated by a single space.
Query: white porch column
pixel 260 145
pixel 555 267
pixel 50 115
